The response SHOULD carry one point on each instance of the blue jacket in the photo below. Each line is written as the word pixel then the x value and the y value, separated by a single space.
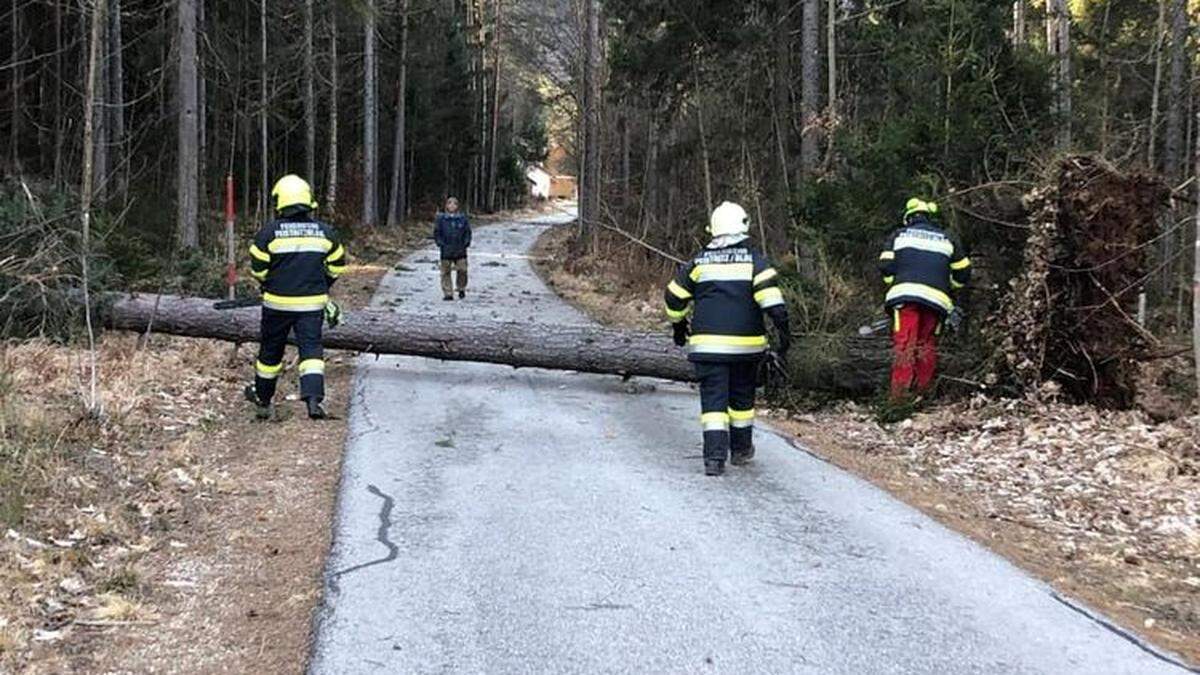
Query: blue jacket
pixel 452 232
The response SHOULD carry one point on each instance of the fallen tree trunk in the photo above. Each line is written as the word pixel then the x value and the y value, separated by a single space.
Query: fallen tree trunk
pixel 581 348
pixel 852 365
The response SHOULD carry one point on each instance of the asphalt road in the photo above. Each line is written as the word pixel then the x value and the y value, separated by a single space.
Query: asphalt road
pixel 494 520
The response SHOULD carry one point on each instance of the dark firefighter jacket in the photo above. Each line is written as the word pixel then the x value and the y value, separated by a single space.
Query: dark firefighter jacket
pixel 727 291
pixel 452 232
pixel 296 259
pixel 922 264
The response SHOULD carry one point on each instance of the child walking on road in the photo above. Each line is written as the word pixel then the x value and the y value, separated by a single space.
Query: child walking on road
pixel 452 232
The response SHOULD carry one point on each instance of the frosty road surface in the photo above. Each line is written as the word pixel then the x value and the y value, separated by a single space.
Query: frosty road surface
pixel 494 520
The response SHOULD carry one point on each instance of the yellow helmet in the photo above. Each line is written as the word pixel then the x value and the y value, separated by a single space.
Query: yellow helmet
pixel 292 190
pixel 918 205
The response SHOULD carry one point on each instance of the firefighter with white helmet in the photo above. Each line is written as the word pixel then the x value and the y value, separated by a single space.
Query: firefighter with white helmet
pixel 726 289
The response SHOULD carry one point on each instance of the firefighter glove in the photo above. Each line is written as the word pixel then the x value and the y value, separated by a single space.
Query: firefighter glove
pixel 333 314
pixel 681 333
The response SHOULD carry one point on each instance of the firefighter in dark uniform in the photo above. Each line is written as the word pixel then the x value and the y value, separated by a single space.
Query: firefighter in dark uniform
pixel 296 259
pixel 726 288
pixel 921 265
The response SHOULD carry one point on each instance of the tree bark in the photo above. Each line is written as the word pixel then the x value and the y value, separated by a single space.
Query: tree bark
pixel 1058 45
pixel 1020 12
pixel 704 156
pixel 810 92
pixel 589 213
pixel 399 199
pixel 370 124
pixel 187 151
pixel 100 130
pixel 1196 270
pixel 94 65
pixel 310 103
pixel 1160 37
pixel 1173 153
pixel 831 112
pixel 16 75
pixel 782 112
pixel 116 97
pixel 848 365
pixel 494 134
pixel 59 137
pixel 264 154
pixel 331 180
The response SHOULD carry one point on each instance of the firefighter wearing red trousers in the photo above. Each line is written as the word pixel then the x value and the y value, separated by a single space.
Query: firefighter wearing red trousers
pixel 296 259
pixel 921 265
pixel 727 287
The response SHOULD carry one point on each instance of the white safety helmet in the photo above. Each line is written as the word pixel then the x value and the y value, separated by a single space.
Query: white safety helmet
pixel 729 219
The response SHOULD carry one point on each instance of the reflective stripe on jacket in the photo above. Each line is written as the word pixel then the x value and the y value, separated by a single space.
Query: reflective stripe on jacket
pixel 296 259
pixel 726 290
pixel 923 264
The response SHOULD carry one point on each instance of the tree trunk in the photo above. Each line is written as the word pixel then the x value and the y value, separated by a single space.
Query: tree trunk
pixel 831 112
pixel 201 108
pixel 782 119
pixel 370 124
pixel 704 156
pixel 626 161
pixel 849 365
pixel 310 103
pixel 331 184
pixel 1019 34
pixel 1196 270
pixel 16 74
pixel 1058 45
pixel 494 135
pixel 1173 154
pixel 116 97
pixel 187 150
pixel 100 130
pixel 589 213
pixel 264 154
pixel 810 91
pixel 1160 37
pixel 398 199
pixel 58 96
pixel 94 65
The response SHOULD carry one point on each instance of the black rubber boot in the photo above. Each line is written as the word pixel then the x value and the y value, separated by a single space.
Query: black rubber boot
pixel 315 410
pixel 462 294
pixel 261 410
pixel 447 297
pixel 713 467
pixel 741 457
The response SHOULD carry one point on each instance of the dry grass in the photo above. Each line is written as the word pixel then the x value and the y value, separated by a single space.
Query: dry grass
pixel 598 285
pixel 168 521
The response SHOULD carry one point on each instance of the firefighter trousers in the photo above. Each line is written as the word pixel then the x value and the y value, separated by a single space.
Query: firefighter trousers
pixel 915 330
pixel 727 406
pixel 273 336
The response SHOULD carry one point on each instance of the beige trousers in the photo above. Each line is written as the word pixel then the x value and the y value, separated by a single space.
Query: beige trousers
pixel 460 268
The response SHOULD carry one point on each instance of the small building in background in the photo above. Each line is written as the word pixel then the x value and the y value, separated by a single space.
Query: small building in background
pixel 564 187
pixel 539 180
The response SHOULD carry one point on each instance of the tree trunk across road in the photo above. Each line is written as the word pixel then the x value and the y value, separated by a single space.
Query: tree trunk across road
pixel 853 365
